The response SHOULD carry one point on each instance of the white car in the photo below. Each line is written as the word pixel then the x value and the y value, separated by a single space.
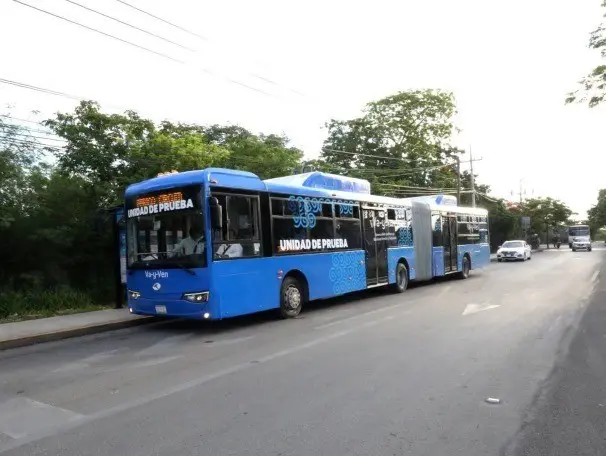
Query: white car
pixel 581 243
pixel 514 251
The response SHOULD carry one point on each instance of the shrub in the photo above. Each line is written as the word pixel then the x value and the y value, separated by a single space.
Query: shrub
pixel 36 303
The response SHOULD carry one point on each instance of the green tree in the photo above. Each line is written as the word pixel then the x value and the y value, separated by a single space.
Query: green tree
pixel 597 214
pixel 546 214
pixel 402 139
pixel 99 147
pixel 19 150
pixel 504 224
pixel 593 86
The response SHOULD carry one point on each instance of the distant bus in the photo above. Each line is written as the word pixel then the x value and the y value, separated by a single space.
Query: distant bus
pixel 578 233
pixel 218 243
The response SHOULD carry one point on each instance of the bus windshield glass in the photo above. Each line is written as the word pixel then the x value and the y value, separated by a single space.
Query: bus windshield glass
pixel 578 231
pixel 166 230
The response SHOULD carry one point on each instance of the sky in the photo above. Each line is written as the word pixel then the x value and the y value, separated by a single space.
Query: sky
pixel 509 65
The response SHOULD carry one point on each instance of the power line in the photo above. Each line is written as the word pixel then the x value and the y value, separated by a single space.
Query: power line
pixel 129 25
pixel 368 155
pixel 205 70
pixel 183 29
pixel 6 116
pixel 39 89
pixel 325 149
pixel 18 142
pixel 40 137
pixel 29 130
pixel 417 188
pixel 20 128
pixel 92 29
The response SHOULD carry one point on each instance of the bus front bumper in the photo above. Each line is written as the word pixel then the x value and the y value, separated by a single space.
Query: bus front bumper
pixel 173 309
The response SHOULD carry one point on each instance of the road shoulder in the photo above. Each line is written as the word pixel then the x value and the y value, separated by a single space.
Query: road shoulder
pixel 568 414
pixel 20 334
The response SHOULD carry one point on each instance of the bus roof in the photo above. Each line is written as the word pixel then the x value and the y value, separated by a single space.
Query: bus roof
pixel 313 184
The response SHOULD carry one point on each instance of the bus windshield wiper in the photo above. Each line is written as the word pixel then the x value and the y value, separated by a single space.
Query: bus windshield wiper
pixel 186 269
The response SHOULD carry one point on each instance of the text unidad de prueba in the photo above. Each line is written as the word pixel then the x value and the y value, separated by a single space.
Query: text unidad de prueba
pixel 312 244
pixel 161 207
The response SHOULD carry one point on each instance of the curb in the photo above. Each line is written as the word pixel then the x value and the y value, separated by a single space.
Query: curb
pixel 74 332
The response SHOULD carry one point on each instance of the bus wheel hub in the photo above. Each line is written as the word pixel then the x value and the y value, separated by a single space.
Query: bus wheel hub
pixel 293 297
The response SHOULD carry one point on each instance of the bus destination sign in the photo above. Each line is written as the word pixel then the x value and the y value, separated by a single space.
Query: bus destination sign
pixel 156 204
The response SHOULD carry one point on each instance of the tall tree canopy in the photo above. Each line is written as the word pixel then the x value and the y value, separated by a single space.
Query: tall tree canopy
pixel 593 86
pixel 110 151
pixel 546 213
pixel 597 214
pixel 402 139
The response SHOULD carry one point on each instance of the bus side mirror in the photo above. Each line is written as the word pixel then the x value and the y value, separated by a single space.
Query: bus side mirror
pixel 216 213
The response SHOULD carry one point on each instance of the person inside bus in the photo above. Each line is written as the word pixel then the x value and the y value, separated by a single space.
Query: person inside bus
pixel 193 244
pixel 230 250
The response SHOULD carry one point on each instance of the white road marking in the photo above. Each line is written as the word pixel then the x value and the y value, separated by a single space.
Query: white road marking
pixel 85 363
pixel 594 277
pixel 354 317
pixel 150 362
pixel 21 417
pixel 235 340
pixel 164 345
pixel 475 308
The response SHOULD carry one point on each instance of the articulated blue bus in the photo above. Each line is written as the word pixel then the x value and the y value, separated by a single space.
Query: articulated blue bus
pixel 218 243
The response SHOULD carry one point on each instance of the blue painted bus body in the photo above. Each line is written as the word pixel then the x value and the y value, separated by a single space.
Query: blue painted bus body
pixel 479 255
pixel 248 285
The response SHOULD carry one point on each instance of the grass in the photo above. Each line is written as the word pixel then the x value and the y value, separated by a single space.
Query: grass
pixel 33 304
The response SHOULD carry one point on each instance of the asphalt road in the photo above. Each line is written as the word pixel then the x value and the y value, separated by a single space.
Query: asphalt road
pixel 374 374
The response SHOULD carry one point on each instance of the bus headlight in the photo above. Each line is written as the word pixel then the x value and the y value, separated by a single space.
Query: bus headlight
pixel 133 294
pixel 198 297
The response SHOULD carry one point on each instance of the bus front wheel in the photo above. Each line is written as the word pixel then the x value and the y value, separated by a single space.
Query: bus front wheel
pixel 401 283
pixel 291 298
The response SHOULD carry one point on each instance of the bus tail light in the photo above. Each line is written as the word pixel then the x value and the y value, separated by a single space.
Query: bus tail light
pixel 198 297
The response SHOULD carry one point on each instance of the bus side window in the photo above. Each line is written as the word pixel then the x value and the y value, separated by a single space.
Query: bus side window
pixel 240 236
pixel 436 223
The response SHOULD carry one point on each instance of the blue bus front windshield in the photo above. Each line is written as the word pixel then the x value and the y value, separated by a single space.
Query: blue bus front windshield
pixel 166 230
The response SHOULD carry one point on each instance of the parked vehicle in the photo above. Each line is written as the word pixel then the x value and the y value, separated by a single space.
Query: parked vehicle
pixel 218 243
pixel 514 251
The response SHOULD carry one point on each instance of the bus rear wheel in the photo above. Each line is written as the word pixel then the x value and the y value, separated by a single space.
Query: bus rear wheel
pixel 401 283
pixel 465 268
pixel 291 298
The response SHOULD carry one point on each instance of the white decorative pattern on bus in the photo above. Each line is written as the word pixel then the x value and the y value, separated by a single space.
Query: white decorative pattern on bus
pixel 346 273
pixel 304 209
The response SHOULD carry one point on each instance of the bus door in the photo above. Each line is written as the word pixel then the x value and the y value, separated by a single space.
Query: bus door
pixel 375 244
pixel 449 238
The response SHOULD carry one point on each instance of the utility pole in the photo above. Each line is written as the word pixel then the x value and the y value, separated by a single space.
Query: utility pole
pixel 458 179
pixel 473 185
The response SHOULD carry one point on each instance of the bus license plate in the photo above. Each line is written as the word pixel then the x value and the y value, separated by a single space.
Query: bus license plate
pixel 161 310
